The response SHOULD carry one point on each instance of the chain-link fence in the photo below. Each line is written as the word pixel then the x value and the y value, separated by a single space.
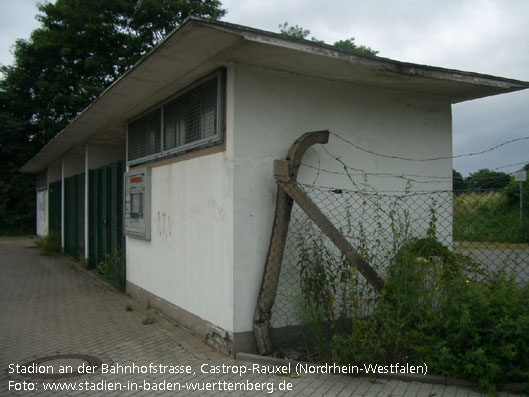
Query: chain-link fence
pixel 490 227
pixel 316 279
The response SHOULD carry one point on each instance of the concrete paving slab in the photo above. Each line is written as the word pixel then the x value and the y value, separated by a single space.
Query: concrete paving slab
pixel 48 306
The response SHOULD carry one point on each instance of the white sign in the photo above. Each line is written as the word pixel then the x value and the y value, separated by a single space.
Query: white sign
pixel 138 203
pixel 520 176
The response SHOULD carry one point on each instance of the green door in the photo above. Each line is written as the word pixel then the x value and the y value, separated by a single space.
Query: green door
pixel 74 188
pixel 54 208
pixel 105 212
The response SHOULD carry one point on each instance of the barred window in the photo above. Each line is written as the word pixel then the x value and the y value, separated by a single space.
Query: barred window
pixel 189 120
pixel 144 135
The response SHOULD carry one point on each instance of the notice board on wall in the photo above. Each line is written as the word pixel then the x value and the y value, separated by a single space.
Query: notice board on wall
pixel 138 203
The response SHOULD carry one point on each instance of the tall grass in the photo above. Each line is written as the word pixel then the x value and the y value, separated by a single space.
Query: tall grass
pixel 489 217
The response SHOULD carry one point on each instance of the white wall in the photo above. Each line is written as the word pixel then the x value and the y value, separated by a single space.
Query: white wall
pixel 42 212
pixel 212 215
pixel 189 260
pixel 272 109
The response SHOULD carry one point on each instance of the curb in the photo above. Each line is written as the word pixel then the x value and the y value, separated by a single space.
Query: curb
pixel 430 379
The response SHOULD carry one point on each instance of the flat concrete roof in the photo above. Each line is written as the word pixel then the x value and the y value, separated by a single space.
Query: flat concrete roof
pixel 198 47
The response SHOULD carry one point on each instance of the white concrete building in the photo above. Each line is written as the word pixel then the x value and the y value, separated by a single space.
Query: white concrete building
pixel 207 111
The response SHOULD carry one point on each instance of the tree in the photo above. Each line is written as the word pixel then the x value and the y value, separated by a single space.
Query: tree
pixel 485 179
pixel 293 31
pixel 349 44
pixel 301 33
pixel 458 182
pixel 81 47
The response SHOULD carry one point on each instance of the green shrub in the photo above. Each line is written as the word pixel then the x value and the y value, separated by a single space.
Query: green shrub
pixel 437 307
pixel 482 332
pixel 431 312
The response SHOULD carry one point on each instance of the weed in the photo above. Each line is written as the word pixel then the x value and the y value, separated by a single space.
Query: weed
pixel 50 245
pixel 128 308
pixel 489 217
pixel 113 269
pixel 437 306
pixel 148 320
pixel 83 262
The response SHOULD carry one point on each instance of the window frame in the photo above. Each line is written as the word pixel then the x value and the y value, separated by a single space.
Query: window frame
pixel 216 139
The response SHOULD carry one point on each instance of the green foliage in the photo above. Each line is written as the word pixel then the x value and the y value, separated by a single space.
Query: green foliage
pixel 437 307
pixel 431 312
pixel 492 216
pixel 485 179
pixel 324 274
pixel 293 31
pixel 148 320
pixel 50 245
pixel 479 332
pixel 17 190
pixel 299 32
pixel 458 182
pixel 512 190
pixel 113 269
pixel 80 48
pixel 349 44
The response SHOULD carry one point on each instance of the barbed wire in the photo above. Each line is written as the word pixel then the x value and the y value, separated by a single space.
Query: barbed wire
pixel 378 220
pixel 404 176
pixel 411 178
pixel 403 193
pixel 381 193
pixel 512 165
pixel 432 158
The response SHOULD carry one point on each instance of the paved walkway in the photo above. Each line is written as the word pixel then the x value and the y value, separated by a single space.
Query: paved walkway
pixel 49 307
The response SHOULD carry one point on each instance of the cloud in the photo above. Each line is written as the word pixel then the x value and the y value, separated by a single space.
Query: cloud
pixel 17 20
pixel 484 36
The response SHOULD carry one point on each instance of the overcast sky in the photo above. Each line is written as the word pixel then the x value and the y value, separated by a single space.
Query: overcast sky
pixel 484 36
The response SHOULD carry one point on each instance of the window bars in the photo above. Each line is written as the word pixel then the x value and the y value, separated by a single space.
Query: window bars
pixel 189 120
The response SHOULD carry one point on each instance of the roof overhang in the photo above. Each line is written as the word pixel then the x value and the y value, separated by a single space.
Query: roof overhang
pixel 198 47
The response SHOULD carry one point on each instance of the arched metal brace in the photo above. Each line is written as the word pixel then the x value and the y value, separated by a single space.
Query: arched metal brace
pixel 285 172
